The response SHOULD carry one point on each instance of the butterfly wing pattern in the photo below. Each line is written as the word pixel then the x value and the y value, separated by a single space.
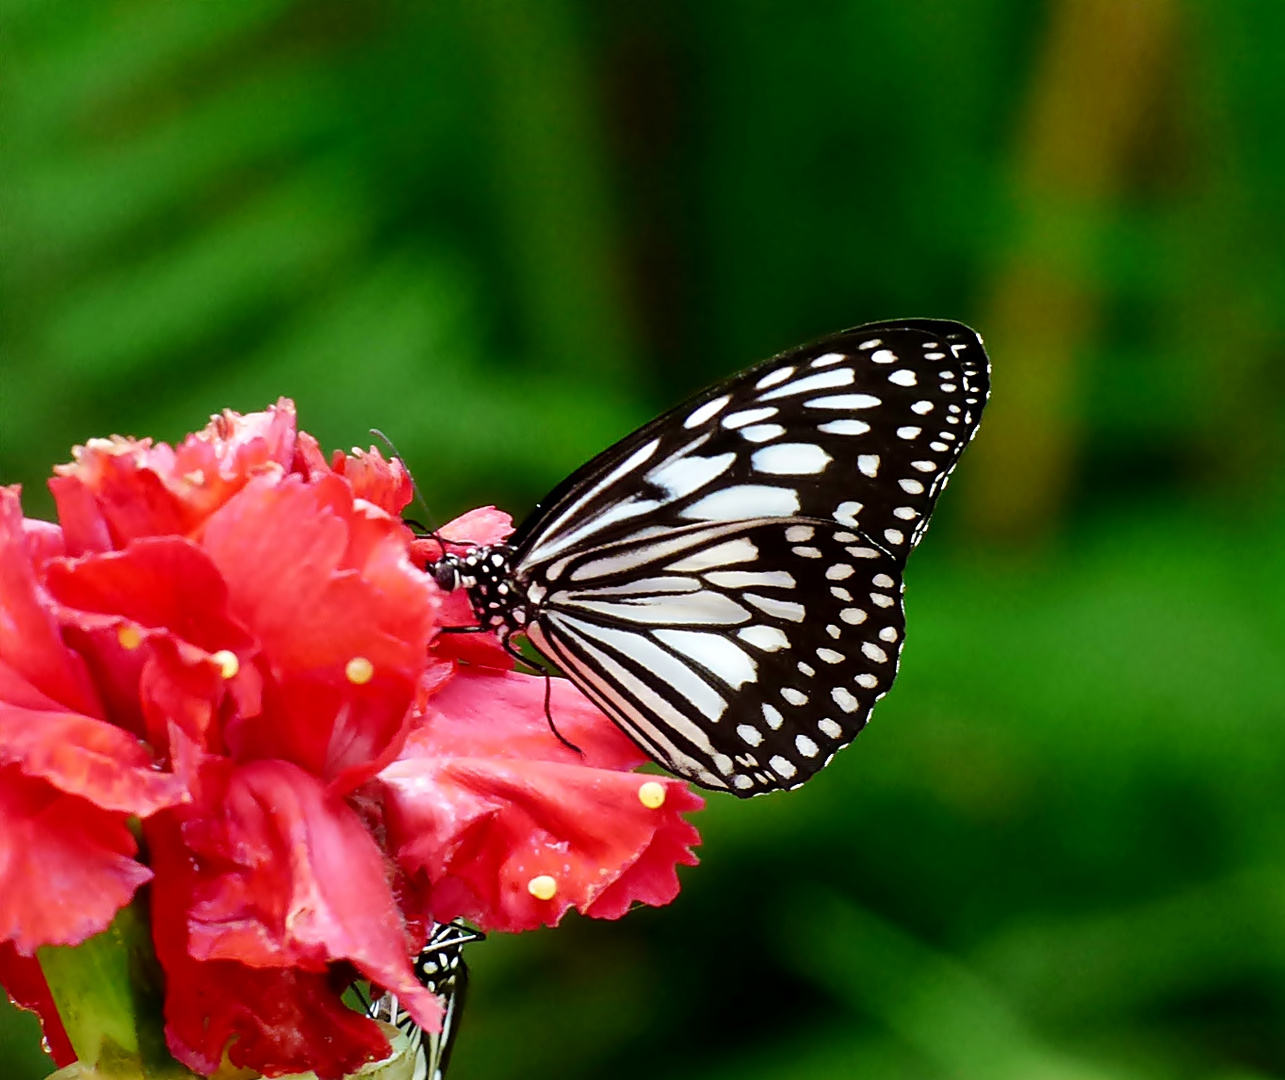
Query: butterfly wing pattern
pixel 440 968
pixel 725 583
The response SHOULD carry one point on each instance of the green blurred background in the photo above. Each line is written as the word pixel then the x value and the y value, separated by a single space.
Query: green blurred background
pixel 507 232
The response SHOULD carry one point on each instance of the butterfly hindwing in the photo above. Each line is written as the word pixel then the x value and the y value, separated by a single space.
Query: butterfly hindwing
pixel 741 654
pixel 441 969
pixel 862 428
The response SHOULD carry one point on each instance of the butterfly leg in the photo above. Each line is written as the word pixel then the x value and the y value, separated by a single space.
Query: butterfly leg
pixel 548 693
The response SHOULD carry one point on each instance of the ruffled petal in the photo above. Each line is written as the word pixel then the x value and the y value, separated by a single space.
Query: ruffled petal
pixel 30 643
pixel 290 878
pixel 66 866
pixel 317 607
pixel 274 1020
pixel 117 490
pixel 501 715
pixel 511 828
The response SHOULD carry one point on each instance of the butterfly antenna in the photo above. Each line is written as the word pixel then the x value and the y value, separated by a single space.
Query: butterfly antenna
pixel 419 495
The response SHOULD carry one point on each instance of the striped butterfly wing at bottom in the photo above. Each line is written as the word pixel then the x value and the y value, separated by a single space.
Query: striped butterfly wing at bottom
pixel 740 655
pixel 440 967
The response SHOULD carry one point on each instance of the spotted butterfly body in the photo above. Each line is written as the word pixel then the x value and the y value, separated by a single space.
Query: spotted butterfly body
pixel 725 583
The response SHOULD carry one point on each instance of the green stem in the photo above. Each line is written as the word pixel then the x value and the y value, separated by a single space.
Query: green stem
pixel 109 994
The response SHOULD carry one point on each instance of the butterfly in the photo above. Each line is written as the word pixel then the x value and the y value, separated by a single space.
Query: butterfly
pixel 725 583
pixel 441 969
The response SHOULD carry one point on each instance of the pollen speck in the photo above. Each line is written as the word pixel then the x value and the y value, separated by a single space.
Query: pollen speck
pixel 652 795
pixel 542 887
pixel 229 665
pixel 359 671
pixel 129 636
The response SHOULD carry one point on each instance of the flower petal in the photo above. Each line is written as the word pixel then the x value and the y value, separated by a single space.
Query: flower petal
pixel 30 643
pixel 317 604
pixel 290 877
pixel 501 714
pixel 511 828
pixel 66 867
pixel 273 1020
pixel 117 490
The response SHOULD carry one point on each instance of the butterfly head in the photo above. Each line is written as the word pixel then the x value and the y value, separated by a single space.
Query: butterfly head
pixel 486 575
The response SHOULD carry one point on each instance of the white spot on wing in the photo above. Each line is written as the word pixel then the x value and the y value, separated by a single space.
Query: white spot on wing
pixel 783 768
pixel 806 746
pixel 681 476
pixel 822 380
pixel 874 652
pixel 767 638
pixel 846 513
pixel 749 734
pixel 773 716
pixel 844 699
pixel 799 534
pixel 908 432
pixel 791 459
pixel 749 579
pixel 911 487
pixel 868 464
pixel 714 652
pixel 749 416
pixel 757 433
pixel 703 608
pixel 780 609
pixel 884 356
pixel 794 697
pixel 903 377
pixel 704 412
pixel 844 427
pixel 729 551
pixel 830 728
pixel 744 501
pixel 923 408
pixel 774 377
pixel 827 359
pixel 844 401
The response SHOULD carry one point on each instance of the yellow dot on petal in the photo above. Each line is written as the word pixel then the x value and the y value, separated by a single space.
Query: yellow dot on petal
pixel 542 887
pixel 229 665
pixel 359 670
pixel 652 795
pixel 129 636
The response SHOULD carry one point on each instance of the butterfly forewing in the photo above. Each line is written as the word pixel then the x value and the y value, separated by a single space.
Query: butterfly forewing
pixel 739 654
pixel 861 429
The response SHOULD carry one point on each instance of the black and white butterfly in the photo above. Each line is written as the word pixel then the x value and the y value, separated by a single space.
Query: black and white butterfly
pixel 440 967
pixel 725 583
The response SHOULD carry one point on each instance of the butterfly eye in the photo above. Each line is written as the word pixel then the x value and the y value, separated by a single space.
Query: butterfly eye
pixel 447 575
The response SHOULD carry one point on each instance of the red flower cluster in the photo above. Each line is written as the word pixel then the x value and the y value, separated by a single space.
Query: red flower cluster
pixel 231 641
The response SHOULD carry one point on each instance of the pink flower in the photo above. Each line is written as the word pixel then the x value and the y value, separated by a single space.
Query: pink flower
pixel 233 641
